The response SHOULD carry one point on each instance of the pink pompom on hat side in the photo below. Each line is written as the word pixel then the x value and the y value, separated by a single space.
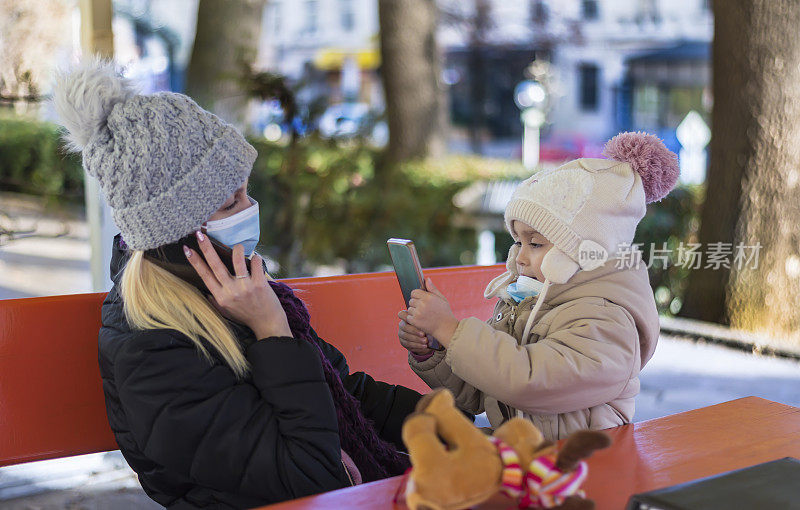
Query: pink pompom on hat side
pixel 649 157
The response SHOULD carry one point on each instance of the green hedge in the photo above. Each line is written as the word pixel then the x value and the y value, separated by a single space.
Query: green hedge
pixel 32 161
pixel 673 220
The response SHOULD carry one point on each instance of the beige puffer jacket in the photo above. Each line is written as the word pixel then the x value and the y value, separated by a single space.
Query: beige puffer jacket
pixel 579 368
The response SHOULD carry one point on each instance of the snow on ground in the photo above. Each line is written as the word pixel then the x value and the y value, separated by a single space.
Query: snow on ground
pixel 685 375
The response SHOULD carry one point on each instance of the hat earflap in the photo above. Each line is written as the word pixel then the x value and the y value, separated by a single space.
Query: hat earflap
pixel 502 281
pixel 558 267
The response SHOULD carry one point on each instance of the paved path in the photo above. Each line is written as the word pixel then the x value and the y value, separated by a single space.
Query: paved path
pixel 55 261
pixel 684 375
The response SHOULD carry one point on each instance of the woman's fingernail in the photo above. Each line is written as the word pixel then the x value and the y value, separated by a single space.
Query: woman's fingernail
pixel 200 236
pixel 187 251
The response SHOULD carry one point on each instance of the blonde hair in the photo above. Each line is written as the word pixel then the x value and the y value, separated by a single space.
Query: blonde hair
pixel 154 298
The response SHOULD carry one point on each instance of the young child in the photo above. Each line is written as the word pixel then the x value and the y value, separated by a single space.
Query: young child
pixel 576 320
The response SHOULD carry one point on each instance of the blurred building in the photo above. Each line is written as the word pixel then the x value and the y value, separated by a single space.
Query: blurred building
pixel 331 46
pixel 662 86
pixel 617 64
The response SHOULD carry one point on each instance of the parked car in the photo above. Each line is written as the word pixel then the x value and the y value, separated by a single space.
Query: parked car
pixel 271 122
pixel 559 148
pixel 350 120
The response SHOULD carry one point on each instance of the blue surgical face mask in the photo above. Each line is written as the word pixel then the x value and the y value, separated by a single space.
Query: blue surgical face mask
pixel 241 228
pixel 524 287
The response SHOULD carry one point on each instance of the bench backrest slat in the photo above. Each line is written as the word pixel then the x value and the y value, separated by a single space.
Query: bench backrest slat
pixel 51 398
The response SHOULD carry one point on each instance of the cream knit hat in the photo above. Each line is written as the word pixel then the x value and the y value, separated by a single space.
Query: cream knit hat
pixel 588 208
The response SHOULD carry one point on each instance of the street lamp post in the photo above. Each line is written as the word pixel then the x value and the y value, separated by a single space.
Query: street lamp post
pixel 531 98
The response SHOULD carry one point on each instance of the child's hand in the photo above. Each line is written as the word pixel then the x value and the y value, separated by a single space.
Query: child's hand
pixel 430 312
pixel 412 338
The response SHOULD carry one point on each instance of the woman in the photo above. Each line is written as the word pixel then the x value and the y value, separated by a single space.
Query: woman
pixel 219 394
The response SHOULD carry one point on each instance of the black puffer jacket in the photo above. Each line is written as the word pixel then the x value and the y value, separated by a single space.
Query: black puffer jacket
pixel 198 437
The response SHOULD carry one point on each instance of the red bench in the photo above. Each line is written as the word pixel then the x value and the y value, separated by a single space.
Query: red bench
pixel 51 399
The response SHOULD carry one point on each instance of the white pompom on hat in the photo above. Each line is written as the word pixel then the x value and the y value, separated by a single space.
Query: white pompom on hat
pixel 589 208
pixel 85 97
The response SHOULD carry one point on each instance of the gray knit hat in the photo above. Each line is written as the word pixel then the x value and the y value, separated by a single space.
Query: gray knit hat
pixel 164 164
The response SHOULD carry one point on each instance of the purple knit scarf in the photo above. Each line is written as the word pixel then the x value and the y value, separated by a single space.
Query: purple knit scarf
pixel 374 457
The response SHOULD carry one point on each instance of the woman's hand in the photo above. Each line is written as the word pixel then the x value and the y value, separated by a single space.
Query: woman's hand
pixel 431 313
pixel 247 299
pixel 412 338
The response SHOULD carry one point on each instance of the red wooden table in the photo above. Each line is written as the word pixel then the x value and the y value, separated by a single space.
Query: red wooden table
pixel 644 456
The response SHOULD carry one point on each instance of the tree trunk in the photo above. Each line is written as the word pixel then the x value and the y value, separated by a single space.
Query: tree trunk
pixel 226 40
pixel 480 24
pixel 415 99
pixel 753 178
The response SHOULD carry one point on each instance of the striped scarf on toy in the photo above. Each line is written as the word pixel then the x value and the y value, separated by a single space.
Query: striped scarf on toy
pixel 543 485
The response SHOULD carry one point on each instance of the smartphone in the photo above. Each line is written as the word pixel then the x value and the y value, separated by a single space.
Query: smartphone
pixel 172 258
pixel 409 272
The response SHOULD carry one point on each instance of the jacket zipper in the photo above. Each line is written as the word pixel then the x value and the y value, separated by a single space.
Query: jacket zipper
pixel 352 484
pixel 512 319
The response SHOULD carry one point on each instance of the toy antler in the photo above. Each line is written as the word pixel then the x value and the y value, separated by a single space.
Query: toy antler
pixel 579 446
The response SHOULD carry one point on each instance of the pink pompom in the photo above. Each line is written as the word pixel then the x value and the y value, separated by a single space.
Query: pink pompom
pixel 648 156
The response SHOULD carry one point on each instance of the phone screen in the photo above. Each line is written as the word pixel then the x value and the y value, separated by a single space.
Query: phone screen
pixel 406 266
pixel 408 271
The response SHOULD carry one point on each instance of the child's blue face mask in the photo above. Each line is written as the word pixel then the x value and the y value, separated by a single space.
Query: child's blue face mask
pixel 524 287
pixel 241 228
